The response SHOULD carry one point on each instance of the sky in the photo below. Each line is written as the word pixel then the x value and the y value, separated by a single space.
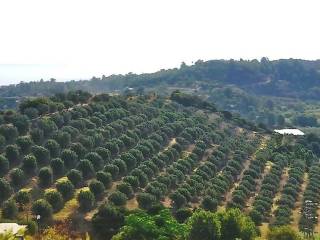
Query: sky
pixel 77 39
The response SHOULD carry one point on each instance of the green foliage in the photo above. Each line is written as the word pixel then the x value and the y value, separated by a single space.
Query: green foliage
pixel 66 188
pixel 75 176
pixel 5 190
pixel 29 164
pixel 43 208
pixel 57 166
pixel 45 177
pixel 22 197
pixel 97 188
pixel 118 198
pixel 105 178
pixel 144 226
pixel 86 200
pixel 55 199
pixel 9 210
pixel 204 225
pixel 146 200
pixel 17 177
pixel 283 233
pixel 4 165
pixel 107 221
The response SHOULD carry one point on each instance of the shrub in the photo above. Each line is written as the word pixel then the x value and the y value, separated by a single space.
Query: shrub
pixel 4 165
pixel 55 199
pixel 95 159
pixel 5 190
pixel 118 198
pixel 57 166
pixel 97 188
pixel 25 143
pixel 45 177
pixel 22 197
pixel 17 177
pixel 9 210
pixel 87 169
pixel 42 154
pixel 75 176
pixel 43 208
pixel 29 164
pixel 69 158
pixel 66 188
pixel 126 189
pixel 86 200
pixel 12 153
pixel 105 178
pixel 146 200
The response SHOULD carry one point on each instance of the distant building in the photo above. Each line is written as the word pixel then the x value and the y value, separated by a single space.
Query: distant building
pixel 289 131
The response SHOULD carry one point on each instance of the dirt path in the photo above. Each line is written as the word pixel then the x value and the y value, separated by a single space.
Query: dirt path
pixel 132 203
pixel 228 195
pixel 167 201
pixel 246 165
pixel 250 201
pixel 298 205
pixel 283 182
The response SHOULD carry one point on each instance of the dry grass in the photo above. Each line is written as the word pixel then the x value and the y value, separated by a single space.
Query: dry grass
pixel 69 208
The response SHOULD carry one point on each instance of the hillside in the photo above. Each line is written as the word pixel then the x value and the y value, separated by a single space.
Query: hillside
pixel 85 162
pixel 274 93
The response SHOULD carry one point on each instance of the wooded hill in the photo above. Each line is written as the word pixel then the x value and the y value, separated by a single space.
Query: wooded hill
pixel 86 164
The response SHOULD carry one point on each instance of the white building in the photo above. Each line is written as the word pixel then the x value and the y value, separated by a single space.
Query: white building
pixel 289 131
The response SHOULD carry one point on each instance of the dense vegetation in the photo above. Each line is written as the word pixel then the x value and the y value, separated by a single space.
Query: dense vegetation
pixel 276 93
pixel 143 167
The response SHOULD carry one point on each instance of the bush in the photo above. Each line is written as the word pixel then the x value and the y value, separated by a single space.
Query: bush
pixel 12 153
pixel 87 169
pixel 29 164
pixel 105 178
pixel 113 170
pixel 9 210
pixel 132 180
pixel 42 155
pixel 53 147
pixel 209 204
pixel 86 200
pixel 69 158
pixel 118 198
pixel 57 166
pixel 43 208
pixel 75 176
pixel 55 199
pixel 45 177
pixel 5 190
pixel 22 197
pixel 284 232
pixel 204 226
pixel 97 188
pixel 146 200
pixel 95 159
pixel 107 221
pixel 183 214
pixel 17 177
pixel 126 189
pixel 66 188
pixel 25 143
pixel 4 165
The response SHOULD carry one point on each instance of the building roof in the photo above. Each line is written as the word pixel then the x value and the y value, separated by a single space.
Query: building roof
pixel 289 131
pixel 11 227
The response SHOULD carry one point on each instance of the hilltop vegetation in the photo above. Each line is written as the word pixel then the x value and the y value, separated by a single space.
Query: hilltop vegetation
pixel 274 93
pixel 103 164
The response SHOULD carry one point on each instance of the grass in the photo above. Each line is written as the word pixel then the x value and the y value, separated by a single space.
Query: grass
pixel 70 207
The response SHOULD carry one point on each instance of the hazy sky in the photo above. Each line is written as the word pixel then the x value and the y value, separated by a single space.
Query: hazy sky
pixel 73 39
